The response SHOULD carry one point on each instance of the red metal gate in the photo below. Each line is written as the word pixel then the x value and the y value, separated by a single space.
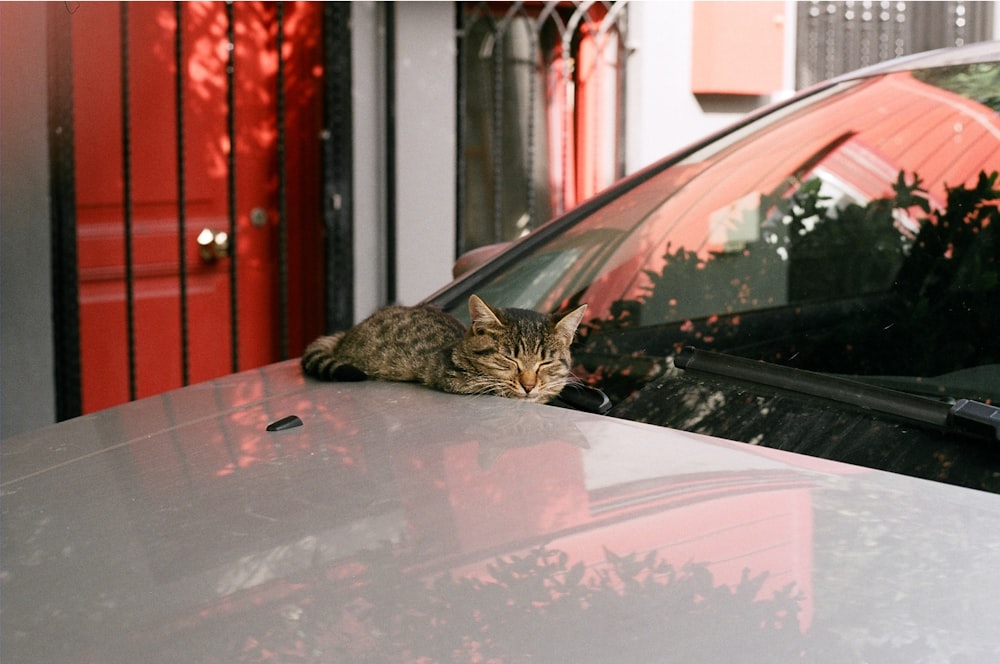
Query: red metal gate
pixel 198 190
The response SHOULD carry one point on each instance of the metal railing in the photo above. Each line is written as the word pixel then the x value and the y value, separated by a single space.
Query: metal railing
pixel 836 37
pixel 224 27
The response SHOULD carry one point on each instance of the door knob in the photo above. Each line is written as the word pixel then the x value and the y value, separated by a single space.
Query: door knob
pixel 213 245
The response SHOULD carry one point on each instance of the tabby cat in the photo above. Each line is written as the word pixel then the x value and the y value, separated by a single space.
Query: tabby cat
pixel 510 352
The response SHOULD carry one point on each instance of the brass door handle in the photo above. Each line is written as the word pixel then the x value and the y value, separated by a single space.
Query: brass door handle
pixel 213 245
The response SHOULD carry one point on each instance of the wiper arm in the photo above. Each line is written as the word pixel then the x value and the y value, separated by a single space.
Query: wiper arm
pixel 967 416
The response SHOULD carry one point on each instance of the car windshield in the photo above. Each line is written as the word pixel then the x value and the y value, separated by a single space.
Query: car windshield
pixel 852 232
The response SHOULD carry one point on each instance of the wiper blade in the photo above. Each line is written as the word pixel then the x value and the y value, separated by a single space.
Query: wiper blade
pixel 966 416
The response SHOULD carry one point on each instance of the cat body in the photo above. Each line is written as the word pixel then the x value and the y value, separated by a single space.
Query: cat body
pixel 510 352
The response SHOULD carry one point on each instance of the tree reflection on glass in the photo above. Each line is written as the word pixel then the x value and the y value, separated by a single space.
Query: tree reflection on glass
pixel 896 286
pixel 951 278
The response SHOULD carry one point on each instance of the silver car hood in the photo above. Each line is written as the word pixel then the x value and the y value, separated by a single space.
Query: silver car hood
pixel 399 524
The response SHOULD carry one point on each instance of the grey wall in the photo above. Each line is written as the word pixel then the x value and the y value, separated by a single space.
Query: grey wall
pixel 426 80
pixel 27 391
pixel 424 150
pixel 369 117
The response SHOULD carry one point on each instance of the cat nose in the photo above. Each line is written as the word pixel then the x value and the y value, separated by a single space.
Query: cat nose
pixel 528 382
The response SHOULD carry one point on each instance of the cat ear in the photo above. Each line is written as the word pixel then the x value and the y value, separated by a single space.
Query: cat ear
pixel 481 313
pixel 567 325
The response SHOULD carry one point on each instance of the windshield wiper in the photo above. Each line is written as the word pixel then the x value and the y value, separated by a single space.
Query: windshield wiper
pixel 966 416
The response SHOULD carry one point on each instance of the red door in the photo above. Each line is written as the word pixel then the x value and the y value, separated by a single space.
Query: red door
pixel 225 331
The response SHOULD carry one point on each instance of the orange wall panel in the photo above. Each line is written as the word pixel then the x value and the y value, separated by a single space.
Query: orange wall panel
pixel 738 48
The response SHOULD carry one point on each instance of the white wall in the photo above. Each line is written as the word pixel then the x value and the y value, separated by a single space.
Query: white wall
pixel 662 114
pixel 424 86
pixel 426 80
pixel 369 85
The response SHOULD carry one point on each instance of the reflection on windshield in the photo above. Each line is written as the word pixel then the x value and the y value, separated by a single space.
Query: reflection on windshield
pixel 855 235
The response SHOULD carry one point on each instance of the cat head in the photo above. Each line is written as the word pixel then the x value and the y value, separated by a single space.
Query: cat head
pixel 516 352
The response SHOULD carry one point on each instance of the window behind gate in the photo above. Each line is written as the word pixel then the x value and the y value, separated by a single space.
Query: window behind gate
pixel 541 88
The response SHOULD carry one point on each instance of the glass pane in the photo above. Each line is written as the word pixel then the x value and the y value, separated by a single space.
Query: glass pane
pixel 854 233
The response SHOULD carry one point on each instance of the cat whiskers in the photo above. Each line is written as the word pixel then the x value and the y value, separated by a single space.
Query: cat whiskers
pixel 553 387
pixel 476 384
pixel 480 385
pixel 490 385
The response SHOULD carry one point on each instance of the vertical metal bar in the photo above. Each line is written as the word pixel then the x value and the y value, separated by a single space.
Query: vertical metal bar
pixel 179 71
pixel 126 113
pixel 461 101
pixel 338 206
pixel 231 185
pixel 529 166
pixel 567 91
pixel 621 81
pixel 958 23
pixel 390 150
pixel 496 140
pixel 282 186
pixel 62 188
